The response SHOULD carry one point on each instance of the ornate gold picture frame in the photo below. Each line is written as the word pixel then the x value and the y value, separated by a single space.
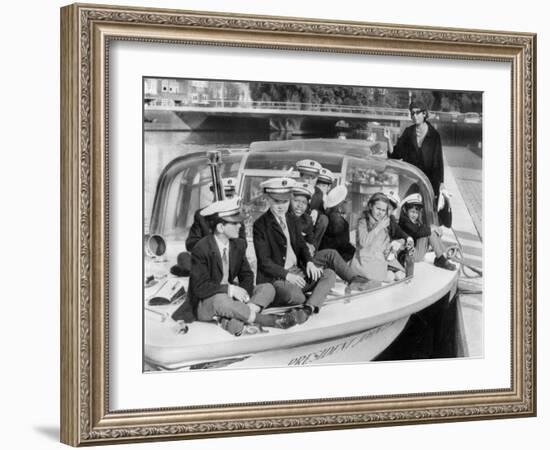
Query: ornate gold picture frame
pixel 87 33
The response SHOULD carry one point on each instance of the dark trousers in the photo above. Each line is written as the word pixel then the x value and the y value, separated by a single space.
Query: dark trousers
pixel 319 230
pixel 223 306
pixel 289 294
pixel 422 246
pixel 331 259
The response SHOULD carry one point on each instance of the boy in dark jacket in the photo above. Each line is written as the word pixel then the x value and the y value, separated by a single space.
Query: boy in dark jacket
pixel 201 227
pixel 284 259
pixel 329 257
pixel 320 179
pixel 412 224
pixel 218 261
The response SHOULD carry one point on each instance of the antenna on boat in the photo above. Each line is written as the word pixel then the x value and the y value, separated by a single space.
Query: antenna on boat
pixel 215 161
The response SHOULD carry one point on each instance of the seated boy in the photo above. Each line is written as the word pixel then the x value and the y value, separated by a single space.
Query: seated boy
pixel 310 171
pixel 411 223
pixel 327 258
pixel 200 227
pixel 284 259
pixel 217 261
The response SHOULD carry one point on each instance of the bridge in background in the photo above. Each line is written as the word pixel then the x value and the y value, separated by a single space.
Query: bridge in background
pixel 172 112
pixel 262 108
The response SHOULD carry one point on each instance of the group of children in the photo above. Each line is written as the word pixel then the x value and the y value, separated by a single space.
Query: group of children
pixel 302 242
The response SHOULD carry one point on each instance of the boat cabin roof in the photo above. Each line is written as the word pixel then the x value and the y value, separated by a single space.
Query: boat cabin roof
pixel 319 147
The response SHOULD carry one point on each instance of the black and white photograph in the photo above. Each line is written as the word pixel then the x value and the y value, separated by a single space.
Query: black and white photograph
pixel 297 224
pixel 374 174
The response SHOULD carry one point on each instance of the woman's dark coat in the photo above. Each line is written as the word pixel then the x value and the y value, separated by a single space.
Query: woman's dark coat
pixel 428 157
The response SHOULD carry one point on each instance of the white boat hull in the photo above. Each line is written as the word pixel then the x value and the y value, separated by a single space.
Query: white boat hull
pixel 348 329
pixel 359 347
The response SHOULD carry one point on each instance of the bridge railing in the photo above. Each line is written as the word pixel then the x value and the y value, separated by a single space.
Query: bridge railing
pixel 271 105
pixel 175 102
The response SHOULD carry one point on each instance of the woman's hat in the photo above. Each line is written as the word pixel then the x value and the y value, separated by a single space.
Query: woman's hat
pixel 336 196
pixel 308 166
pixel 325 176
pixel 278 188
pixel 304 189
pixel 413 200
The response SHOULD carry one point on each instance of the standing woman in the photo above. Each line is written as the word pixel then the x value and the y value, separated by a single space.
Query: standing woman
pixel 420 145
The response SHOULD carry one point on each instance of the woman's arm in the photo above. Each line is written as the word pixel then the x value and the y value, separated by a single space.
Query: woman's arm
pixel 401 146
pixel 438 159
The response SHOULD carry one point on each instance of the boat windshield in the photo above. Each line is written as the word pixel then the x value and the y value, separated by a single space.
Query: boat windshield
pixel 183 188
pixel 366 177
pixel 362 177
pixel 286 161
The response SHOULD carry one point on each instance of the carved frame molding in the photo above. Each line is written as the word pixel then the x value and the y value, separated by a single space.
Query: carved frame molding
pixel 86 33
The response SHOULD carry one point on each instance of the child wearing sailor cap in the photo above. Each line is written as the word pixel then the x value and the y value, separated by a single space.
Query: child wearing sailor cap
pixel 395 230
pixel 328 257
pixel 320 179
pixel 283 257
pixel 324 183
pixel 411 222
pixel 221 284
pixel 200 227
pixel 299 206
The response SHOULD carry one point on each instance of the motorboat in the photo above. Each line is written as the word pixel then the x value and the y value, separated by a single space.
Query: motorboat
pixel 352 327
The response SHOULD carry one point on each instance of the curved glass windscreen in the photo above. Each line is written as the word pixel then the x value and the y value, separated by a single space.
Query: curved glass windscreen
pixel 183 188
pixel 363 178
pixel 287 160
pixel 366 177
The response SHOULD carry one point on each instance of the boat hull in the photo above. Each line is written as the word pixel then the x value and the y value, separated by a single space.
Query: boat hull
pixel 363 346
pixel 348 329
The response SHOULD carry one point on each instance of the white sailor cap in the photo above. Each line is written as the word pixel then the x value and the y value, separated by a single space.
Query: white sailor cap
pixel 308 166
pixel 336 196
pixel 413 199
pixel 303 189
pixel 393 198
pixel 229 184
pixel 278 188
pixel 229 210
pixel 325 176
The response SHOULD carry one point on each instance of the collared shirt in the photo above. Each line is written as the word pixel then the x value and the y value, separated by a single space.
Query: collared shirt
pixel 290 259
pixel 224 247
